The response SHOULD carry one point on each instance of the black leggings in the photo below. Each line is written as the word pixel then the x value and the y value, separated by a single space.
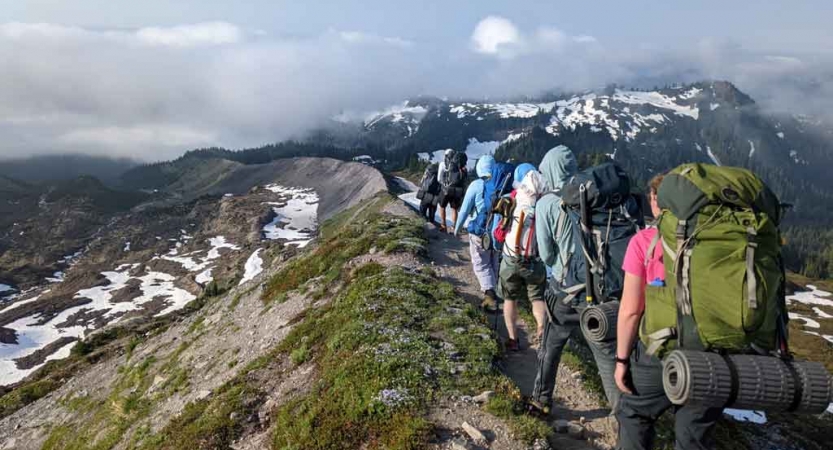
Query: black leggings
pixel 637 414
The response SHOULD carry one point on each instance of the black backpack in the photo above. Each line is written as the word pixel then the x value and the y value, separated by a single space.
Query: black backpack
pixel 429 183
pixel 614 215
pixel 454 174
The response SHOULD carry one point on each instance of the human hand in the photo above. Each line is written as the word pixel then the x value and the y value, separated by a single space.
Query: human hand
pixel 621 378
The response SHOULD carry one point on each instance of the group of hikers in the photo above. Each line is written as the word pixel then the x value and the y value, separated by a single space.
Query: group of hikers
pixel 566 241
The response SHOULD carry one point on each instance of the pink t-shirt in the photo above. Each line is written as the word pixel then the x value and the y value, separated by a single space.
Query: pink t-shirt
pixel 634 263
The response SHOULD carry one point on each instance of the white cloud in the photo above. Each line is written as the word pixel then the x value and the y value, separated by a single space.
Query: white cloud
pixel 188 35
pixel 500 37
pixel 140 136
pixel 208 33
pixel 493 34
pixel 153 93
pixel 359 37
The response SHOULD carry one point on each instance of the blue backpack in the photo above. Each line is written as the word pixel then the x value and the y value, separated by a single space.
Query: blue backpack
pixel 497 186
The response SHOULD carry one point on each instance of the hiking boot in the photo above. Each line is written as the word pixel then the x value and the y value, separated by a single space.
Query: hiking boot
pixel 538 408
pixel 489 303
pixel 512 345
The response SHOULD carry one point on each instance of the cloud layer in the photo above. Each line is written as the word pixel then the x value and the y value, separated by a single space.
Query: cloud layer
pixel 152 93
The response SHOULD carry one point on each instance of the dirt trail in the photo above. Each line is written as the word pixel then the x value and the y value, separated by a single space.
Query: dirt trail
pixel 450 256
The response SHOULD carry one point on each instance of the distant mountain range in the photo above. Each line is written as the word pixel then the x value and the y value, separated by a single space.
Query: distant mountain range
pixel 645 131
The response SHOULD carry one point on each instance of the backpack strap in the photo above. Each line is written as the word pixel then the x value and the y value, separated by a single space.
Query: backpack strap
pixel 751 280
pixel 530 241
pixel 572 292
pixel 650 253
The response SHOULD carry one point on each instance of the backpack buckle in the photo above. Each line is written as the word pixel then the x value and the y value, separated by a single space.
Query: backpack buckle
pixel 681 227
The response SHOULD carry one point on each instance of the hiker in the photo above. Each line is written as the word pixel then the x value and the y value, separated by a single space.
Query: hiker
pixel 429 193
pixel 483 260
pixel 566 248
pixel 740 217
pixel 522 273
pixel 452 174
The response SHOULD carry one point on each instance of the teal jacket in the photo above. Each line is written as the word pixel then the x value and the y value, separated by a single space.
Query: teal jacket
pixel 474 202
pixel 558 165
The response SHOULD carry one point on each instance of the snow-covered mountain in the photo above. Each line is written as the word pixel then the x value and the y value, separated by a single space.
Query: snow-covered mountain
pixel 646 131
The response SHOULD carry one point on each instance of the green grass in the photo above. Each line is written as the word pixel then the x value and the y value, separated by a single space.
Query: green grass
pixel 507 404
pixel 300 355
pixel 26 394
pixel 358 232
pixel 382 360
pixel 386 348
pixel 211 423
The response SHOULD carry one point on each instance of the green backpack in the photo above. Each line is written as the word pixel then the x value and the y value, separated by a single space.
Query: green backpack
pixel 724 286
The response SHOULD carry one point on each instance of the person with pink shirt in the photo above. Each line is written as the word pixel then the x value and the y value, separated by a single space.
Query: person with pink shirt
pixel 639 375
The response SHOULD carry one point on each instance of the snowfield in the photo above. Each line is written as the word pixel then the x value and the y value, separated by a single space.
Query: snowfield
pixel 296 217
pixel 77 321
pixel 474 151
pixel 193 263
pixel 817 298
pixel 253 267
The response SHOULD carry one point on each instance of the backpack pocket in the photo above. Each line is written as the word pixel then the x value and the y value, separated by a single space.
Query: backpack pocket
pixel 659 319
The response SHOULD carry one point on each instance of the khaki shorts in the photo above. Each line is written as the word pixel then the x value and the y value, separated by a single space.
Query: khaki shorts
pixel 519 280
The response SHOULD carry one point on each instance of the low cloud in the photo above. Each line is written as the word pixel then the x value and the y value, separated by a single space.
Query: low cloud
pixel 152 93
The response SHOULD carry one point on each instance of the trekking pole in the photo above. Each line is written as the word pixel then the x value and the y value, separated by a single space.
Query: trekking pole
pixel 586 230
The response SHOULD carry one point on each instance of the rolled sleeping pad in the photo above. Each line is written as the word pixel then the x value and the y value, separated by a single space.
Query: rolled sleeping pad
pixel 763 383
pixel 701 378
pixel 815 386
pixel 598 322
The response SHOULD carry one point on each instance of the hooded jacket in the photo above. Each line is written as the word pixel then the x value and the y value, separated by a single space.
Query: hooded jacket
pixel 558 166
pixel 473 202
pixel 519 238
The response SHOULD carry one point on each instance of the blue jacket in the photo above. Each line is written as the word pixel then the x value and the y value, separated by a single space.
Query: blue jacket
pixel 474 202
pixel 558 166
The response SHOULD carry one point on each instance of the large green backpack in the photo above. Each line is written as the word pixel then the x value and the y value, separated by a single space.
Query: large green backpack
pixel 722 255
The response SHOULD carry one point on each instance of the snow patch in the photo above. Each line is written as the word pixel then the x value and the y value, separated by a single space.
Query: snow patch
pixel 660 101
pixel 814 296
pixel 808 322
pixel 780 134
pixel 296 219
pixel 821 313
pixel 254 266
pixel 191 264
pixel 503 110
pixel 33 335
pixel 714 106
pixel 57 277
pixel 751 148
pixel 204 277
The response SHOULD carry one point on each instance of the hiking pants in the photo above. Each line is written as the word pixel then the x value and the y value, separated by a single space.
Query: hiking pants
pixel 638 413
pixel 483 262
pixel 428 210
pixel 549 356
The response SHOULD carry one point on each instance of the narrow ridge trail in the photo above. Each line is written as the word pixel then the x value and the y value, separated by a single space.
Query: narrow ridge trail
pixel 451 260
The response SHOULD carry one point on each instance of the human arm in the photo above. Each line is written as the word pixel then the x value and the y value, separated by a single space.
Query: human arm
pixel 545 234
pixel 631 308
pixel 468 204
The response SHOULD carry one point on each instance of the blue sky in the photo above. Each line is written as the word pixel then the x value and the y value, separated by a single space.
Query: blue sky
pixel 154 78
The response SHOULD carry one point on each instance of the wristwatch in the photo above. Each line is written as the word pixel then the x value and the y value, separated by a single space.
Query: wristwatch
pixel 625 361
